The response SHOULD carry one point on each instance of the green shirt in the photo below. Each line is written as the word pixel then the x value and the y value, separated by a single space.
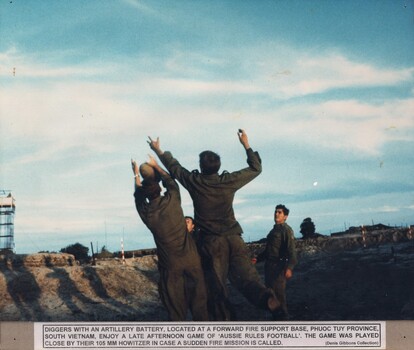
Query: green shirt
pixel 213 195
pixel 280 245
pixel 165 219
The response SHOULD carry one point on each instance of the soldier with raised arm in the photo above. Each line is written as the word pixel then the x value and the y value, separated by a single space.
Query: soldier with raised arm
pixel 182 284
pixel 223 250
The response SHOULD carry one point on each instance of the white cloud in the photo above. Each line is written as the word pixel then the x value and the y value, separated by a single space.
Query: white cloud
pixel 45 224
pixel 264 72
pixel 147 10
pixel 336 71
pixel 252 218
pixel 84 114
pixel 94 168
pixel 191 87
pixel 238 201
pixel 301 74
pixel 139 4
pixel 192 64
pixel 343 124
pixel 279 71
pixel 15 65
pixel 67 213
pixel 384 209
pixel 77 112
pixel 41 155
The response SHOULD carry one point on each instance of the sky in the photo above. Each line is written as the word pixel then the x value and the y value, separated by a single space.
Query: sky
pixel 324 90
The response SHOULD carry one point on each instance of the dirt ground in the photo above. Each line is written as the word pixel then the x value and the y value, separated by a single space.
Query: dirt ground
pixel 356 283
pixel 374 283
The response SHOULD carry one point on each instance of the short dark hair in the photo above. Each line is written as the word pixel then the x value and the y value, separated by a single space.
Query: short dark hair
pixel 209 162
pixel 281 206
pixel 151 189
pixel 189 217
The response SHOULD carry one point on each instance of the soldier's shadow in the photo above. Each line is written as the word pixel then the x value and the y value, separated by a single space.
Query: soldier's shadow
pixel 24 290
pixel 81 306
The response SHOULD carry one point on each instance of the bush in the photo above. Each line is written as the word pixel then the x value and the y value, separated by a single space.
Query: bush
pixel 78 250
pixel 307 228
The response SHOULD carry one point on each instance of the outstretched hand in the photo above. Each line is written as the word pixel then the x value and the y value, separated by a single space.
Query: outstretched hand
pixel 243 138
pixel 155 145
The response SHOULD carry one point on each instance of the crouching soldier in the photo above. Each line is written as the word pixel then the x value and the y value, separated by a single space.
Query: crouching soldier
pixel 181 284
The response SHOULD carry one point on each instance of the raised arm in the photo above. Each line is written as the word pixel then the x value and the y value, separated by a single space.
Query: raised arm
pixel 244 140
pixel 135 170
pixel 152 162
pixel 243 176
pixel 173 166
pixel 167 180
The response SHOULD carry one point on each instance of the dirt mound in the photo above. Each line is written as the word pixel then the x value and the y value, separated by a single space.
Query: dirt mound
pixel 335 279
pixel 109 291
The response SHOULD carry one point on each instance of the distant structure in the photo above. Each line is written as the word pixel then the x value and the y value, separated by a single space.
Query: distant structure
pixel 359 229
pixel 7 210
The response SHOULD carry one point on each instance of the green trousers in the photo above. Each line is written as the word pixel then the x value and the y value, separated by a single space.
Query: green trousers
pixel 182 289
pixel 226 257
pixel 276 280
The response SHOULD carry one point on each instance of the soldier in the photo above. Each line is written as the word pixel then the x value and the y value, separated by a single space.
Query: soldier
pixel 280 259
pixel 189 221
pixel 182 283
pixel 223 250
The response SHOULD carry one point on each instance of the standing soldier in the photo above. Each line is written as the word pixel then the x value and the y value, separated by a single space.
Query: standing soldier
pixel 280 259
pixel 223 250
pixel 181 284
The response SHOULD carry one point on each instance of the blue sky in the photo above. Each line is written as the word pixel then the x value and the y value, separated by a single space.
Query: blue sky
pixel 324 90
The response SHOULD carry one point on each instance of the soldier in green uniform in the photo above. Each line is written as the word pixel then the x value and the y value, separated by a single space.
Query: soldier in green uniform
pixel 182 284
pixel 223 250
pixel 280 259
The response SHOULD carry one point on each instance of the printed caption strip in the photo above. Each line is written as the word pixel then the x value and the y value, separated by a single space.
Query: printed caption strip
pixel 209 335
